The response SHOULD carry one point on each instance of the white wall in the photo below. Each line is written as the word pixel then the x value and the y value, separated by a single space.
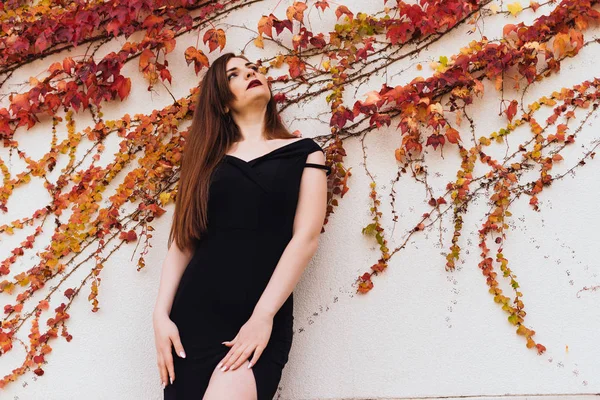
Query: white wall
pixel 421 332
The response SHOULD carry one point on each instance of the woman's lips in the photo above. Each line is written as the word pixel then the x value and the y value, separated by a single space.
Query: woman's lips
pixel 254 83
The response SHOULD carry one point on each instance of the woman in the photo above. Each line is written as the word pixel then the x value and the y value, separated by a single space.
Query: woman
pixel 247 220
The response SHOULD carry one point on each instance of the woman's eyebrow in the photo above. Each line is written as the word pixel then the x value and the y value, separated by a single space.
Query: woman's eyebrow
pixel 248 63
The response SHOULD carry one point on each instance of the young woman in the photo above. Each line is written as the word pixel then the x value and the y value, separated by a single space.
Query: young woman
pixel 247 220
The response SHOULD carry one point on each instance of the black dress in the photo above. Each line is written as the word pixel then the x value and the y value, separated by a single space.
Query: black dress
pixel 251 210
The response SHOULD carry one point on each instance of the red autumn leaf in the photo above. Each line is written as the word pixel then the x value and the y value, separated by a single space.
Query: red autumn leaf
pixel 280 25
pixel 435 140
pixel 128 236
pixel 340 117
pixel 322 5
pixel 399 32
pixel 540 348
pixel 18 44
pixel 318 41
pixel 113 27
pixel 412 144
pixel 123 86
pixel 41 43
pixel 511 110
pixel 165 75
pixel 296 66
pixel 215 38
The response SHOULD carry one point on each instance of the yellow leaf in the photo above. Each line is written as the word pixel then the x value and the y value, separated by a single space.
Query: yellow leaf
pixel 165 197
pixel 258 42
pixel 484 141
pixel 515 8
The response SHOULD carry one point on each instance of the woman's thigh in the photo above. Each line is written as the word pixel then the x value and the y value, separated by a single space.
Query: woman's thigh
pixel 236 384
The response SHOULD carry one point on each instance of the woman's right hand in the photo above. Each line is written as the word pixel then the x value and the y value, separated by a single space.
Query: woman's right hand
pixel 166 335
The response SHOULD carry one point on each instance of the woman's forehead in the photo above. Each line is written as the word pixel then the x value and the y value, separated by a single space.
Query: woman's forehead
pixel 237 62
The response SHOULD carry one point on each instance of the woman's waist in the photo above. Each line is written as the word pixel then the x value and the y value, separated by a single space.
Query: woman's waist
pixel 274 236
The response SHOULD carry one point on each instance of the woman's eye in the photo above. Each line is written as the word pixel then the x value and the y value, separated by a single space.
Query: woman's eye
pixel 254 68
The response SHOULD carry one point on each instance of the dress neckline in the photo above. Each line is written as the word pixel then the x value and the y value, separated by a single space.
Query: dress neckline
pixel 267 153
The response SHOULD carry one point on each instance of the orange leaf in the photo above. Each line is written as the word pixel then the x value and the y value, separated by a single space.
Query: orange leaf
pixel 55 67
pixel 296 11
pixel 215 38
pixel 341 10
pixel 452 135
pixel 265 25
pixel 145 58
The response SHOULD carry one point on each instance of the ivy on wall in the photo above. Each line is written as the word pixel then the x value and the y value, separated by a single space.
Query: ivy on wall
pixel 427 112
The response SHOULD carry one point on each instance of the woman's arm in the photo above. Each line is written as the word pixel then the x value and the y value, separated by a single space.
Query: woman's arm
pixel 172 269
pixel 308 221
pixel 166 333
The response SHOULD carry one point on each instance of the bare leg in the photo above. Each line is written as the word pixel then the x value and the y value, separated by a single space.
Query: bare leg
pixel 236 384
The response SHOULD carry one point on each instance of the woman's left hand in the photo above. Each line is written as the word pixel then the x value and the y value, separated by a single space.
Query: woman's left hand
pixel 252 337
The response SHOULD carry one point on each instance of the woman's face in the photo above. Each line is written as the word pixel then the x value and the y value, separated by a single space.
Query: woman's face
pixel 241 74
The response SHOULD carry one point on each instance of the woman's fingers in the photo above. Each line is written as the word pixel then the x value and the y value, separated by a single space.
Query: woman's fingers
pixel 166 339
pixel 162 370
pixel 234 357
pixel 169 363
pixel 257 353
pixel 178 346
pixel 243 356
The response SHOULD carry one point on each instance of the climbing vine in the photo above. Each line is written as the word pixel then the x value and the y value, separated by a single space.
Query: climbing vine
pixel 428 112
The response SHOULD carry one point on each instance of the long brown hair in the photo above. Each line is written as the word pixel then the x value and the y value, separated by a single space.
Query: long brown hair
pixel 210 135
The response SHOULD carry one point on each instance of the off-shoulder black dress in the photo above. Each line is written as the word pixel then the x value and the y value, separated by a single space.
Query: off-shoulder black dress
pixel 251 211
